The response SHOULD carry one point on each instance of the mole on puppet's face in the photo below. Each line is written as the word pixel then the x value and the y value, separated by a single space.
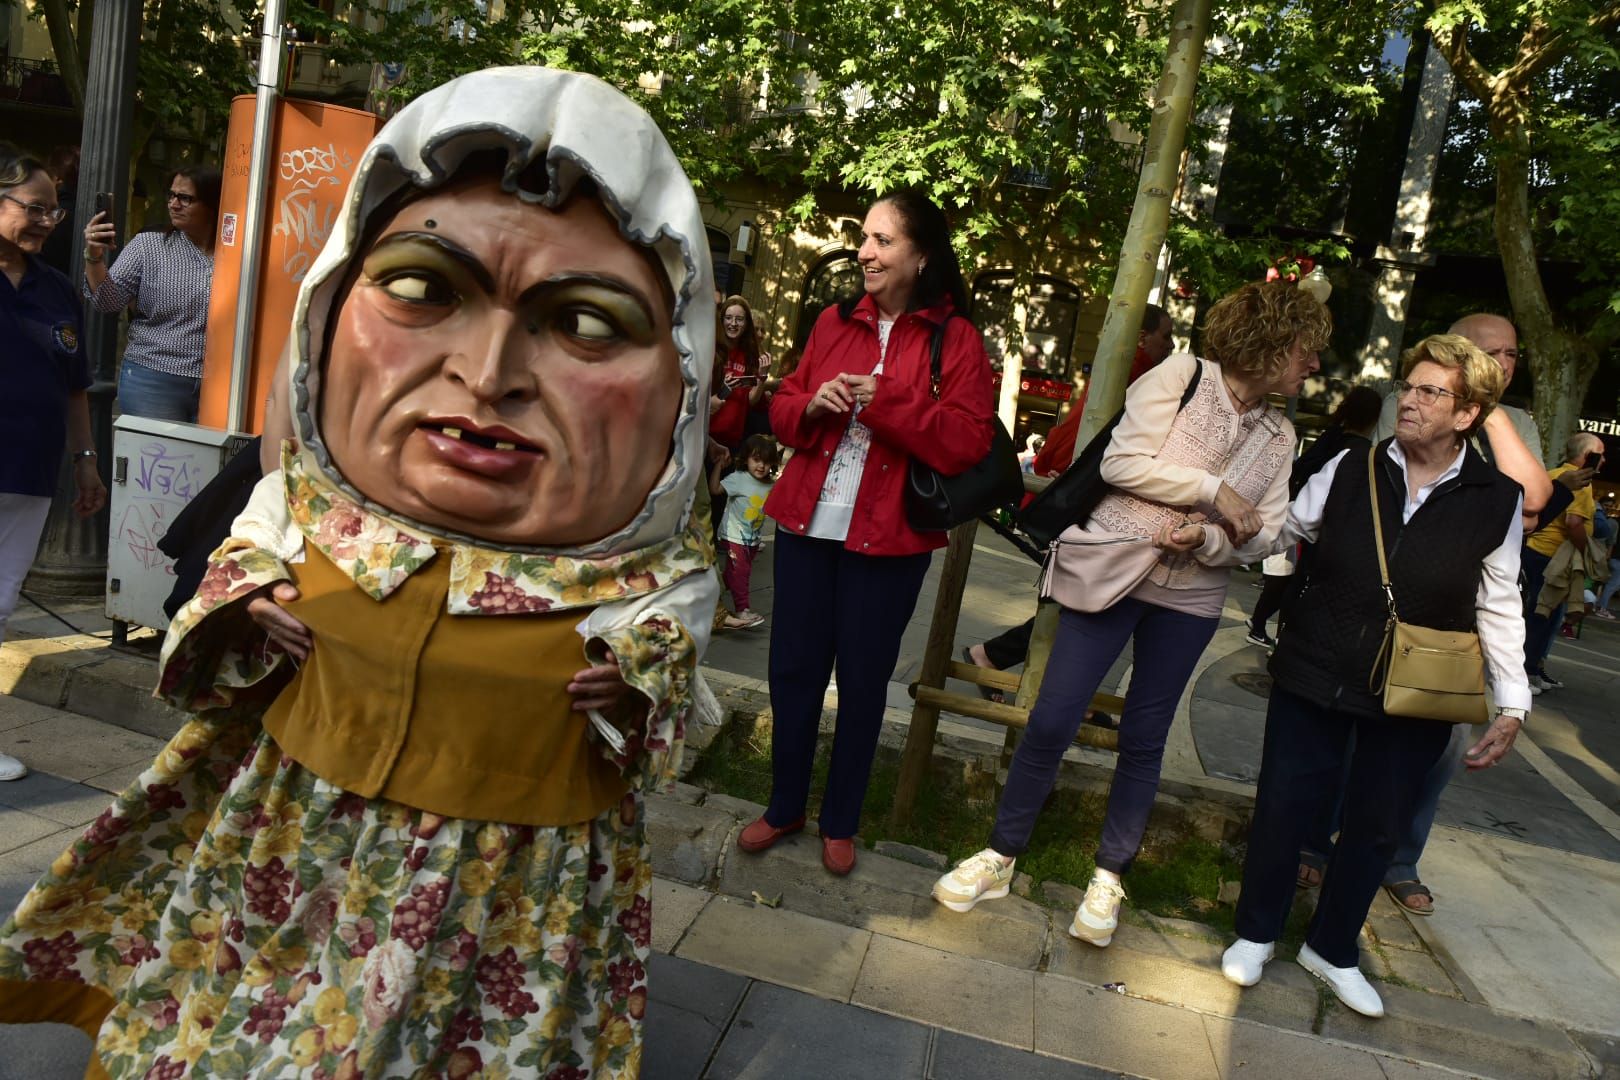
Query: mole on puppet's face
pixel 503 370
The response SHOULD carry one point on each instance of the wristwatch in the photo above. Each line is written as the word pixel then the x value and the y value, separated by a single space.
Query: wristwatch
pixel 1521 715
pixel 96 259
pixel 79 455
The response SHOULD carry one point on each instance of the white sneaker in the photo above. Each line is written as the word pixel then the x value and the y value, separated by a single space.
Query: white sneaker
pixel 11 768
pixel 1098 914
pixel 1244 962
pixel 1348 984
pixel 978 877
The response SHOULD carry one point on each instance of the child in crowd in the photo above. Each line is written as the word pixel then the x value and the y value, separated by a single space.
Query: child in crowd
pixel 744 521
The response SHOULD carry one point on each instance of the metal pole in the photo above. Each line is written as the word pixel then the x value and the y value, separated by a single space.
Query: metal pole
pixel 73 554
pixel 247 295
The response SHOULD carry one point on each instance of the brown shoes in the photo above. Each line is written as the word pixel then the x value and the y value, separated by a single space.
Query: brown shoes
pixel 762 834
pixel 838 855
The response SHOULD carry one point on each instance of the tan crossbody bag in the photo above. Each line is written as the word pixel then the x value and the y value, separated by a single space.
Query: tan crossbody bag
pixel 1424 673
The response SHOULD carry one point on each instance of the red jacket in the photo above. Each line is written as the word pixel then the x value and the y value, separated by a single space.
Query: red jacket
pixel 950 434
pixel 1058 451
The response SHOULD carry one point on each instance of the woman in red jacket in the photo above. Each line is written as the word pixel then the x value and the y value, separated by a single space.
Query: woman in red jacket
pixel 848 565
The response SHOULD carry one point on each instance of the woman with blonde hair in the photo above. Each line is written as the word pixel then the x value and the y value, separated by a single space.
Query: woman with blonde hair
pixel 1451 532
pixel 1198 443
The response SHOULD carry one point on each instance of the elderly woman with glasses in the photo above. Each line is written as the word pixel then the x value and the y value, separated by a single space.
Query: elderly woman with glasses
pixel 1451 533
pixel 43 409
pixel 163 278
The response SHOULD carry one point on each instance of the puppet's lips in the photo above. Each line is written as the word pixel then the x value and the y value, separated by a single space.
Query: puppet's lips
pixel 486 457
pixel 488 438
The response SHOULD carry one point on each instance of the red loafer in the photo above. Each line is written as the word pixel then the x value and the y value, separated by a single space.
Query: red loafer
pixel 762 834
pixel 838 855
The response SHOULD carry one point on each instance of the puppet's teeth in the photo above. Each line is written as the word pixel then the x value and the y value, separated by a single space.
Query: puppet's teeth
pixel 505 446
pixel 453 432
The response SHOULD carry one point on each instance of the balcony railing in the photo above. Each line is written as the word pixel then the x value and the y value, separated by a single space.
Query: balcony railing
pixel 33 82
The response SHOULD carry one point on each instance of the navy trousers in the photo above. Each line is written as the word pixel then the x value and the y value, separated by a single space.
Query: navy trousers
pixel 834 610
pixel 1167 646
pixel 1303 757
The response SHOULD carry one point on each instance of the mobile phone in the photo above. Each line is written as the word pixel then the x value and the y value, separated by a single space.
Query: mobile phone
pixel 1593 459
pixel 104 205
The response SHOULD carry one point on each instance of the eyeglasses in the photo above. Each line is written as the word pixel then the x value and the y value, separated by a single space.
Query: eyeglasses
pixel 38 213
pixel 1426 393
pixel 182 198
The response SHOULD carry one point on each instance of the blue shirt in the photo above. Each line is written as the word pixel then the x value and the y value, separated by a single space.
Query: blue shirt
pixel 41 362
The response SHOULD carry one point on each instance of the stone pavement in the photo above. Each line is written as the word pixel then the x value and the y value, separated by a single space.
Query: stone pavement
pixel 867 977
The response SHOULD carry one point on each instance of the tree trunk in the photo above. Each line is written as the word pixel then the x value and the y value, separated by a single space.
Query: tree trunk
pixel 1561 363
pixel 87 24
pixel 59 24
pixel 1150 217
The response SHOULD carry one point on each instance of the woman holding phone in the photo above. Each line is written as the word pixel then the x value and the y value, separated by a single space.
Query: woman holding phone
pixel 163 277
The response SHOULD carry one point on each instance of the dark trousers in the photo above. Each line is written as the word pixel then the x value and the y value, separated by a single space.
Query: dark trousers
pixel 1538 629
pixel 1299 768
pixel 838 610
pixel 1167 645
pixel 1011 646
pixel 1275 592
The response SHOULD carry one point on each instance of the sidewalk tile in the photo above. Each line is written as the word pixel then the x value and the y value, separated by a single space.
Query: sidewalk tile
pixel 688 1008
pixel 958 1057
pixel 114 781
pixel 1245 1050
pixel 1114 1032
pixel 780 1034
pixel 777 945
pixel 1421 970
pixel 20 827
pixel 21 867
pixel 686 840
pixel 674 906
pixel 54 799
pixel 17 712
pixel 74 747
pixel 974 997
pixel 888 897
pixel 1468 1038
pixel 1190 978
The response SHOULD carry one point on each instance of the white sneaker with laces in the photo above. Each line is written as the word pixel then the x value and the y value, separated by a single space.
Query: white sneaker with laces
pixel 1245 960
pixel 1098 914
pixel 11 768
pixel 1348 984
pixel 978 877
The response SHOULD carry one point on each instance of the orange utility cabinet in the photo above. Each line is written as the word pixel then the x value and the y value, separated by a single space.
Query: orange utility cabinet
pixel 315 148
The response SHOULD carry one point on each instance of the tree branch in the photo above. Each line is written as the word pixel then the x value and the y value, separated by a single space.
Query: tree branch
pixel 1535 56
pixel 1452 41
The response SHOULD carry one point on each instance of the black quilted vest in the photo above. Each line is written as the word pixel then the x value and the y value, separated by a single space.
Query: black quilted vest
pixel 1334 626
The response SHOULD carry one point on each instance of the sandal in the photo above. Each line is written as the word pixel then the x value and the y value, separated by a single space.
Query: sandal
pixel 1311 868
pixel 1406 891
pixel 1102 720
pixel 986 692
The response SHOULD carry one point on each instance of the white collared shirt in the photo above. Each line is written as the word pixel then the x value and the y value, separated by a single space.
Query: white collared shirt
pixel 1498 610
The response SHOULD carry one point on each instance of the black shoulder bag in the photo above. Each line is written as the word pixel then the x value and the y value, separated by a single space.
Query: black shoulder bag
pixel 935 502
pixel 1070 499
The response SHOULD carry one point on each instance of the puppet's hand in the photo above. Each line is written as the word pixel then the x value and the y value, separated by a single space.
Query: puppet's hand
pixel 600 687
pixel 284 630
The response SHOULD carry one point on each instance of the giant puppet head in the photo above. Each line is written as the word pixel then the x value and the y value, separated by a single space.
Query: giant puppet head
pixel 507 338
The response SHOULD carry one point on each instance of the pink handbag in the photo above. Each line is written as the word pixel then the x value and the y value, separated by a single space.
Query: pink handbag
pixel 1092 571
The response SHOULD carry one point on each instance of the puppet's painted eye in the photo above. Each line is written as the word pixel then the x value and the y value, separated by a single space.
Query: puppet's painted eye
pixel 416 287
pixel 587 324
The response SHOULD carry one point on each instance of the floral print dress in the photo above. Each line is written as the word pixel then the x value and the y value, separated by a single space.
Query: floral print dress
pixel 234 915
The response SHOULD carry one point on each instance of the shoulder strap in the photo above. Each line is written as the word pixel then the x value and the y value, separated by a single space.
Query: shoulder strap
pixel 1192 384
pixel 1378 526
pixel 935 371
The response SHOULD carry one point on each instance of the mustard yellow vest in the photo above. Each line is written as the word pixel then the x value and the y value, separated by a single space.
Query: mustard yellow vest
pixel 461 715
